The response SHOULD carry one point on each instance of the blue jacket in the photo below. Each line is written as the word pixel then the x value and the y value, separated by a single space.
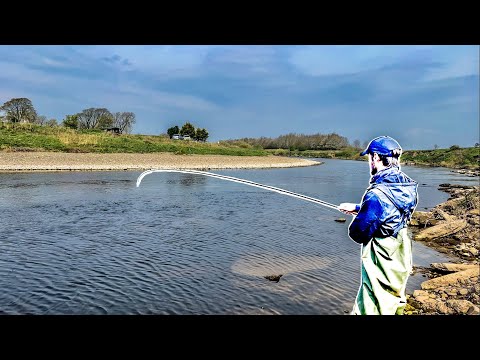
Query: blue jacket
pixel 387 206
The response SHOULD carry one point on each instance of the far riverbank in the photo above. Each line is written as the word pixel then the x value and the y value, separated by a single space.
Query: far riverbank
pixel 58 161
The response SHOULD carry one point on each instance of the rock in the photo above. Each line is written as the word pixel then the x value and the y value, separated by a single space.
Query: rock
pixel 450 278
pixel 421 217
pixel 473 220
pixel 275 278
pixel 340 220
pixel 474 212
pixel 442 308
pixel 418 293
pixel 441 230
pixel 442 214
pixel 473 251
pixel 476 298
pixel 449 267
pixel 473 310
pixel 414 222
pixel 460 306
pixel 463 291
pixel 456 186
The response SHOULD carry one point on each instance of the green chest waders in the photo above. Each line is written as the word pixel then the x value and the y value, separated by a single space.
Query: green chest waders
pixel 386 266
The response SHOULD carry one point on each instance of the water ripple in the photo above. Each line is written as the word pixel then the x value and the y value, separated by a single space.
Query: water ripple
pixel 92 243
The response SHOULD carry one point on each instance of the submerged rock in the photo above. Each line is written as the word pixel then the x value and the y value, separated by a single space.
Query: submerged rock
pixel 275 278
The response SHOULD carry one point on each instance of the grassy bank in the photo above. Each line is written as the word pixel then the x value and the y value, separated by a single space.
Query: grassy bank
pixel 457 158
pixel 29 137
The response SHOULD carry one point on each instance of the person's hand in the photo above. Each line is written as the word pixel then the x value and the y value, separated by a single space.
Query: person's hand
pixel 348 208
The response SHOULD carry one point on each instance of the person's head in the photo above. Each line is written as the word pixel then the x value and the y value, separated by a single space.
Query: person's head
pixel 383 152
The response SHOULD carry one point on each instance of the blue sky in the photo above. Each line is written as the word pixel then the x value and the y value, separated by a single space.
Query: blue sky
pixel 420 95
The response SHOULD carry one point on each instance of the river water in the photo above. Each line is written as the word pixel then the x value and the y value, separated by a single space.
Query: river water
pixel 93 243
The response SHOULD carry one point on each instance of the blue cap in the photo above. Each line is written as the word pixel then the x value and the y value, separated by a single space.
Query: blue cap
pixel 382 145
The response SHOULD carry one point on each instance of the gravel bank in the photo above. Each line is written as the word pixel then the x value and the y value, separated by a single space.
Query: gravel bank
pixel 53 161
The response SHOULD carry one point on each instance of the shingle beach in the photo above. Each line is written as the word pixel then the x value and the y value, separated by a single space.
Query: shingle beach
pixel 57 161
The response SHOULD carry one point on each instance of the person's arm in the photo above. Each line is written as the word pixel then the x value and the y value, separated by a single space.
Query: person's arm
pixel 368 219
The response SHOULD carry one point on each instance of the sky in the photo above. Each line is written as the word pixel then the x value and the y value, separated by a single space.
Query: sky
pixel 420 95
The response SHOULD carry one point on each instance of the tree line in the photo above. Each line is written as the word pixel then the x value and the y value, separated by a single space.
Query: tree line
pixel 188 129
pixel 299 142
pixel 21 110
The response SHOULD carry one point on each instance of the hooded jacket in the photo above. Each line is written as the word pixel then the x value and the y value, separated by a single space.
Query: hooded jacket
pixel 387 206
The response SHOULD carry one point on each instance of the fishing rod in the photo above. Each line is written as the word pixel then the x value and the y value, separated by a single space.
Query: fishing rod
pixel 241 181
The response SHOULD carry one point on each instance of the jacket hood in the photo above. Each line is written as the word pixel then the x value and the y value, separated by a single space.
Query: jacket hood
pixel 398 187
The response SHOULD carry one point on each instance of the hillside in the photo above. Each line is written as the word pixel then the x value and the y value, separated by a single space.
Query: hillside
pixel 29 137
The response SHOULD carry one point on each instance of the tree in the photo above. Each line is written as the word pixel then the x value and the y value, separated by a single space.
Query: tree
pixel 435 146
pixel 41 120
pixel 105 121
pixel 19 110
pixel 91 117
pixel 188 129
pixel 173 130
pixel 71 121
pixel 124 121
pixel 365 144
pixel 201 135
pixel 52 122
pixel 356 144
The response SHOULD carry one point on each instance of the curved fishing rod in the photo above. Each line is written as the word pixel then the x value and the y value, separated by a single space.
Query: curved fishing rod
pixel 241 181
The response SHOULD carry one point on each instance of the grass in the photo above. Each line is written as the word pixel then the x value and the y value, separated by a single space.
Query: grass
pixel 457 158
pixel 467 158
pixel 30 137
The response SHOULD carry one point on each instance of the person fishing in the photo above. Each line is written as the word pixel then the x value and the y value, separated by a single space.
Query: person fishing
pixel 379 224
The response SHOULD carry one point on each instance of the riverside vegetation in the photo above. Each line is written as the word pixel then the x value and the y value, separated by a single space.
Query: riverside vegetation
pixel 453 157
pixel 32 137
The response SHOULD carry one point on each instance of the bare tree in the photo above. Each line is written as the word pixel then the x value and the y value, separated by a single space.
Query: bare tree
pixel 19 110
pixel 91 118
pixel 124 121
pixel 356 144
pixel 40 120
pixel 435 146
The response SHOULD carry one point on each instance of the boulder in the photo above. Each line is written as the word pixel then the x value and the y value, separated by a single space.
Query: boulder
pixel 449 267
pixel 449 279
pixel 441 230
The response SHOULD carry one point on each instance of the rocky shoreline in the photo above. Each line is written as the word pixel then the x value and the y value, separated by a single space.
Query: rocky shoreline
pixel 452 227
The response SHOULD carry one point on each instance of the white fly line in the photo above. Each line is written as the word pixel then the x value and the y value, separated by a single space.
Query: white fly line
pixel 241 181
